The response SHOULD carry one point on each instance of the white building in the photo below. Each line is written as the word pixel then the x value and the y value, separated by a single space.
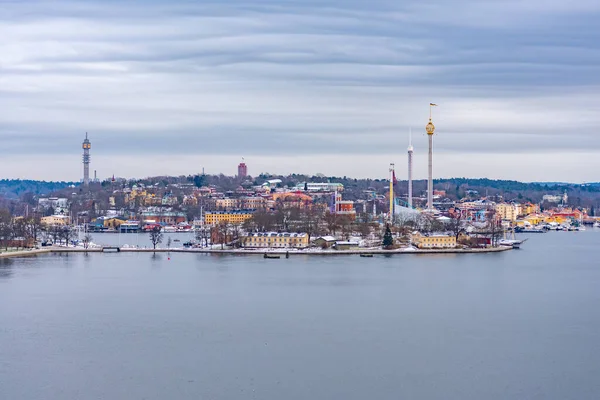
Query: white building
pixel 318 187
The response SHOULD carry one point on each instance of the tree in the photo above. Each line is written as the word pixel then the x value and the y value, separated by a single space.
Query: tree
pixel 156 236
pixel 364 228
pixel 169 241
pixel 455 224
pixel 66 233
pixel 331 222
pixel 86 241
pixel 202 236
pixel 388 240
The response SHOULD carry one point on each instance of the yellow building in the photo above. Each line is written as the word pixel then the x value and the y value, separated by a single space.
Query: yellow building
pixel 508 212
pixel 227 203
pixel 434 241
pixel 529 208
pixel 230 217
pixel 110 223
pixel 55 220
pixel 276 240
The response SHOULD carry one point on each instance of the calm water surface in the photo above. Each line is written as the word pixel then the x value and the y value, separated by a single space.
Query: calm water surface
pixel 522 325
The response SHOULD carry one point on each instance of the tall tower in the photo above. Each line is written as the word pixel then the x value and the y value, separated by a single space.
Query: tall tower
pixel 87 145
pixel 392 179
pixel 410 170
pixel 242 170
pixel 430 129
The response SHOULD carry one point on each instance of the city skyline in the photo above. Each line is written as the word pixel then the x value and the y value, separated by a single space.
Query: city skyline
pixel 173 87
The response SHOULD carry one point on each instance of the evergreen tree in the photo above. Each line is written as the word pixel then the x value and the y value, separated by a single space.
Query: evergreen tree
pixel 388 240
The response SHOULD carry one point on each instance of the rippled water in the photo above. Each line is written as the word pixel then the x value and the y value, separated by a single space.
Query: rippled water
pixel 521 324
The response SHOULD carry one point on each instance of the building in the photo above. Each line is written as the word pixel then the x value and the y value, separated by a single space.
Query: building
pixel 434 241
pixel 320 187
pixel 508 212
pixel 550 198
pixel 346 245
pixel 276 240
pixel 252 203
pixel 324 241
pixel 164 217
pixel 242 170
pixel 344 207
pixel 226 203
pixel 58 205
pixel 87 145
pixel 231 217
pixel 130 227
pixel 55 220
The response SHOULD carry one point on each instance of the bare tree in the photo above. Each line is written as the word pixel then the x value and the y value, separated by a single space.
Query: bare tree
pixel 86 240
pixel 202 235
pixel 332 222
pixel 66 234
pixel 493 227
pixel 455 225
pixel 6 227
pixel 156 236
pixel 169 241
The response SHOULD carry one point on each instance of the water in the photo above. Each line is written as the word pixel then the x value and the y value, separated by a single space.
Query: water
pixel 521 324
pixel 141 239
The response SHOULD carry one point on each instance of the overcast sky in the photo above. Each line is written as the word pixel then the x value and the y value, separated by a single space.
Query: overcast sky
pixel 332 87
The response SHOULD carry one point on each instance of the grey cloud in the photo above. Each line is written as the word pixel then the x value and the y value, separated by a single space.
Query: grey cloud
pixel 298 77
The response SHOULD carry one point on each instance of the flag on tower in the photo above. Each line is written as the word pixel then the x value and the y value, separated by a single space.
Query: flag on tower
pixel 394 177
pixel 432 104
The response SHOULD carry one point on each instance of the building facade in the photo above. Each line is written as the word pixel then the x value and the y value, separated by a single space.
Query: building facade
pixel 242 170
pixel 230 217
pixel 434 241
pixel 276 240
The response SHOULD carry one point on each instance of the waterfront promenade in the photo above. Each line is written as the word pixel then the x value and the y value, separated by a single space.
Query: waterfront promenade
pixel 257 252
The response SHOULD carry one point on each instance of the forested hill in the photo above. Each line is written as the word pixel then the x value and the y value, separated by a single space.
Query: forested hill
pixel 14 188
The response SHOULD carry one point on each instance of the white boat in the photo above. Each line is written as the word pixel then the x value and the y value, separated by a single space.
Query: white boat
pixel 514 243
pixel 169 229
pixel 597 224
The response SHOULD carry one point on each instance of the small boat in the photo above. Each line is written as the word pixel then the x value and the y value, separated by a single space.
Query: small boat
pixel 274 256
pixel 515 244
pixel 176 240
pixel 366 255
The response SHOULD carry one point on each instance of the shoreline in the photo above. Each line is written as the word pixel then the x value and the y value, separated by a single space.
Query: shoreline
pixel 280 252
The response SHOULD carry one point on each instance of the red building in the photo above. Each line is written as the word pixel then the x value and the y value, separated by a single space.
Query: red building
pixel 242 170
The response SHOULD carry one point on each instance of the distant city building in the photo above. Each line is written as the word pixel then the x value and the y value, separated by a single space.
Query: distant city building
pixel 316 187
pixel 434 241
pixel 55 220
pixel 508 212
pixel 230 217
pixel 550 198
pixel 58 205
pixel 344 207
pixel 276 239
pixel 242 170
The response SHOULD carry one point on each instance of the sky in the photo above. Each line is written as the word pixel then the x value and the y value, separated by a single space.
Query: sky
pixel 331 87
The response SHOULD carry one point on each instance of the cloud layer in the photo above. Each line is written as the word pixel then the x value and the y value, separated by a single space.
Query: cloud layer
pixel 293 85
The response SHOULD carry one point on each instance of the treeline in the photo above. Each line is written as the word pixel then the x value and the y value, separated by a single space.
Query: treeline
pixel 14 188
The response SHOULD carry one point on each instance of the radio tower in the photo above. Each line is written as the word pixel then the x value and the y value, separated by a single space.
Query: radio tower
pixel 430 129
pixel 87 145
pixel 392 181
pixel 410 170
